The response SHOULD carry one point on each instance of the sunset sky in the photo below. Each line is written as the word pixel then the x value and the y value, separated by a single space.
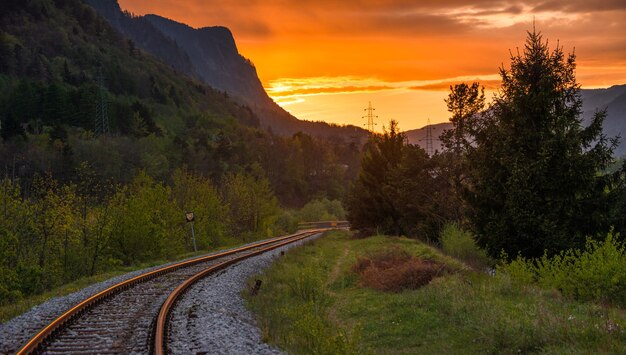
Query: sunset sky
pixel 324 60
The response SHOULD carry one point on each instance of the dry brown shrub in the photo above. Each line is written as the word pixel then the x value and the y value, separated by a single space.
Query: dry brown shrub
pixel 394 270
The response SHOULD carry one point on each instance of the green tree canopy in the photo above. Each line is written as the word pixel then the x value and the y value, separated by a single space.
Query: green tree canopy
pixel 400 189
pixel 536 171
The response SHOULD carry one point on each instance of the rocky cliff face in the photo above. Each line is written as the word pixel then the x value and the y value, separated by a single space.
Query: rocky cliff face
pixel 210 55
pixel 216 60
pixel 144 35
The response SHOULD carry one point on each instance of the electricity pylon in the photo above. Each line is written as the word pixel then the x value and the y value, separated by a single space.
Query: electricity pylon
pixel 370 117
pixel 429 139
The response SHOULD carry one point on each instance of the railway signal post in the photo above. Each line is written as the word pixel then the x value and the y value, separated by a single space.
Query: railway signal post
pixel 189 216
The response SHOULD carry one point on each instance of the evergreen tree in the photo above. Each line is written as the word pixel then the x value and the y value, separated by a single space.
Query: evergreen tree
pixel 464 102
pixel 11 127
pixel 536 182
pixel 369 203
pixel 400 190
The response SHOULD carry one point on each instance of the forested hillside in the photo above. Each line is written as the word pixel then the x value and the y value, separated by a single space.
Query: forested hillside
pixel 104 147
pixel 53 54
pixel 210 54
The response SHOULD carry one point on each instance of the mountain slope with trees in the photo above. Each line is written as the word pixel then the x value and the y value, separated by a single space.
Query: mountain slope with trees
pixel 53 55
pixel 210 54
pixel 103 147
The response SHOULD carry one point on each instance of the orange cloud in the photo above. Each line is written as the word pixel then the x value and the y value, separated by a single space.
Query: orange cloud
pixel 329 90
pixel 428 42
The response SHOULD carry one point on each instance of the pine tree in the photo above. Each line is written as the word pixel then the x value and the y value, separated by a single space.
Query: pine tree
pixel 370 204
pixel 465 103
pixel 536 182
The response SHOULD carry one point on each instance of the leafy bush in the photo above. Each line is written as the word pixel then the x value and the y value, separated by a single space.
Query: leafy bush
pixel 597 273
pixel 461 245
pixel 322 210
pixel 286 223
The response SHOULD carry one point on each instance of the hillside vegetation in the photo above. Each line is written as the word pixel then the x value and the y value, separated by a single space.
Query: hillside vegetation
pixel 314 301
pixel 52 57
pixel 79 197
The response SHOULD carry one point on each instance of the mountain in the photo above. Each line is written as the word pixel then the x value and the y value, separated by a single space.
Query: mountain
pixel 418 136
pixel 216 59
pixel 75 92
pixel 210 54
pixel 612 99
pixel 141 32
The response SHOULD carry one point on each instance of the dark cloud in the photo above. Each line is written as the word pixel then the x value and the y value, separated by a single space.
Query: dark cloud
pixel 577 6
pixel 401 24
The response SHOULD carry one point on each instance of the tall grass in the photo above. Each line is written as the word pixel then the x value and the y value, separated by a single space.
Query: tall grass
pixel 313 295
pixel 292 309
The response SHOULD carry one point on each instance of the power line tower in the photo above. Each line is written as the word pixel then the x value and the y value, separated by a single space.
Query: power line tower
pixel 102 113
pixel 429 139
pixel 370 117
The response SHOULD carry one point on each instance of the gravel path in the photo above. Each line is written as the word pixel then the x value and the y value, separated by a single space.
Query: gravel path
pixel 20 329
pixel 211 317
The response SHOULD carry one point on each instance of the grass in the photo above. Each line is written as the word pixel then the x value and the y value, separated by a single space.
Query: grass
pixel 24 304
pixel 458 313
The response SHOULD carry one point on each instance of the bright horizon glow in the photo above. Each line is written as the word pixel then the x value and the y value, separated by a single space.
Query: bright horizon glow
pixel 324 60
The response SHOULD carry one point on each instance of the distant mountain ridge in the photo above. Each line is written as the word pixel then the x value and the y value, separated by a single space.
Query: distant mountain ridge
pixel 216 59
pixel 612 98
pixel 144 34
pixel 211 55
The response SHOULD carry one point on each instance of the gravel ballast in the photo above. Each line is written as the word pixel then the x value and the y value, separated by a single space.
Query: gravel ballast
pixel 17 331
pixel 211 317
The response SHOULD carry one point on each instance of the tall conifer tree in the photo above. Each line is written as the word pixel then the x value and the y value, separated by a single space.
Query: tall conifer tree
pixel 537 182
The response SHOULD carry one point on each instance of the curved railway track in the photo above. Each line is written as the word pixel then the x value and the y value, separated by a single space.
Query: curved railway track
pixel 123 318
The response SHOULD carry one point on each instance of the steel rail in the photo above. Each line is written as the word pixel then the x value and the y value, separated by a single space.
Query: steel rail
pixel 36 343
pixel 160 335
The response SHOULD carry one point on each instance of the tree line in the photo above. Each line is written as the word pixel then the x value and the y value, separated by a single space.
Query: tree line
pixel 522 174
pixel 62 232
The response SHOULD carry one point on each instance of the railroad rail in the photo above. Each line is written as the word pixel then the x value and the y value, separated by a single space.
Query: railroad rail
pixel 324 224
pixel 161 333
pixel 122 318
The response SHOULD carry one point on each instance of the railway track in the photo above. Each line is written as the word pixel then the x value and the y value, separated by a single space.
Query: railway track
pixel 132 316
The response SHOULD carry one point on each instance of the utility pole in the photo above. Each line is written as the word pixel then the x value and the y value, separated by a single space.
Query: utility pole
pixel 370 118
pixel 190 217
pixel 102 114
pixel 429 139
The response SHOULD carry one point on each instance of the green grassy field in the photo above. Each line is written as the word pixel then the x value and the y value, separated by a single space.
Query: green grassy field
pixel 312 302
